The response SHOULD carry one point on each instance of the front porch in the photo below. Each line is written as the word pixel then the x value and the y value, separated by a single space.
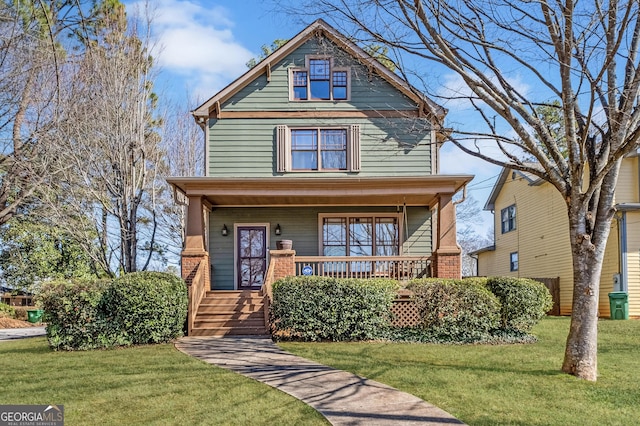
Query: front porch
pixel 242 312
pixel 232 225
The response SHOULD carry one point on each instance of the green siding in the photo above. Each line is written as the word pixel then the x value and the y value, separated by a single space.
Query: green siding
pixel 389 147
pixel 301 226
pixel 368 91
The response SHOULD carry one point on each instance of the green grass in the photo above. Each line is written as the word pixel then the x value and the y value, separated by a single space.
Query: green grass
pixel 145 385
pixel 505 384
pixel 481 385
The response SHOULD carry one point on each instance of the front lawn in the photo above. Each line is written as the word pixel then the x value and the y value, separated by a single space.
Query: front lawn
pixel 142 385
pixel 481 385
pixel 504 384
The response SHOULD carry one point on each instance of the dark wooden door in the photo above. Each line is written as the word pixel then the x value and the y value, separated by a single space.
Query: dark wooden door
pixel 252 256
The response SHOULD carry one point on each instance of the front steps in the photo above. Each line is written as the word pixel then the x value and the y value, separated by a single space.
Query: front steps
pixel 230 313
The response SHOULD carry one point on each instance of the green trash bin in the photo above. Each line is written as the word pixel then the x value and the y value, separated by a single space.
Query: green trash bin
pixel 34 315
pixel 619 305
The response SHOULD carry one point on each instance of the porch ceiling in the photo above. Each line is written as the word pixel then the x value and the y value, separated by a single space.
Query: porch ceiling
pixel 320 191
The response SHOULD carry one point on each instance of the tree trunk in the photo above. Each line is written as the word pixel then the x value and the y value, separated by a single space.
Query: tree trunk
pixel 581 352
pixel 590 225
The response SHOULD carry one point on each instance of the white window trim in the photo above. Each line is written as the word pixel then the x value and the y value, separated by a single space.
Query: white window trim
pixel 307 59
pixel 283 147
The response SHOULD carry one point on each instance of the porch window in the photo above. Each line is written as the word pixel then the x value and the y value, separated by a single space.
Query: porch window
pixel 357 235
pixel 319 80
pixel 508 218
pixel 318 149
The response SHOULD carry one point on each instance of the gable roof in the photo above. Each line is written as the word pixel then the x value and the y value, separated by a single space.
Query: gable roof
pixel 502 179
pixel 320 27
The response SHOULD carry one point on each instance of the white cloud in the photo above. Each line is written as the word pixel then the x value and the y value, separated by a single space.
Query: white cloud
pixel 455 93
pixel 197 44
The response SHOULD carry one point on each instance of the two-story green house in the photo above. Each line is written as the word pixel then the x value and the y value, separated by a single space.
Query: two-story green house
pixel 321 145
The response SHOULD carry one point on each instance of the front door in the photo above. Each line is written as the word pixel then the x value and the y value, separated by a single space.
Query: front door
pixel 252 256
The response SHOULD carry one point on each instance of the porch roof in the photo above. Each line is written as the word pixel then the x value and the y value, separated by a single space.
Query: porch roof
pixel 319 191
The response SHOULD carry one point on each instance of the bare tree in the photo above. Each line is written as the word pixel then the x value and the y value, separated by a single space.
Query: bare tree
pixel 115 182
pixel 182 142
pixel 31 60
pixel 583 55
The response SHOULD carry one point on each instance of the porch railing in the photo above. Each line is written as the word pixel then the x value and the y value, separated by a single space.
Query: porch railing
pixel 197 290
pixel 401 268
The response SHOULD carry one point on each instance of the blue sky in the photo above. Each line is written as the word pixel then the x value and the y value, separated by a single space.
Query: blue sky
pixel 204 45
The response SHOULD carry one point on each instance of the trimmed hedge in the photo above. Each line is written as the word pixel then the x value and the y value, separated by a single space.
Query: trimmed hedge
pixel 320 308
pixel 138 308
pixel 151 307
pixel 455 310
pixel 523 301
pixel 73 315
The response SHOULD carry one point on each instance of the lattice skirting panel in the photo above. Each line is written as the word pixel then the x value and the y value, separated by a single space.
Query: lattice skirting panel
pixel 405 313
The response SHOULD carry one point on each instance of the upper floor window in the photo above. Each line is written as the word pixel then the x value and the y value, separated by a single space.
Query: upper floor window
pixel 318 149
pixel 508 218
pixel 319 81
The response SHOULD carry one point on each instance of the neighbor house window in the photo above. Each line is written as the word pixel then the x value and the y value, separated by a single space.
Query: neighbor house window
pixel 318 149
pixel 319 80
pixel 508 218
pixel 513 261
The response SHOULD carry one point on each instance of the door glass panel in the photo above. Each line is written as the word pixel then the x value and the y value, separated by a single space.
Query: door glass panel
pixel 251 256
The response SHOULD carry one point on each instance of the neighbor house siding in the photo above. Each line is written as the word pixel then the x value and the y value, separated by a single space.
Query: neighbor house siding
pixel 247 147
pixel 541 237
pixel 633 262
pixel 301 226
pixel 627 186
pixel 610 267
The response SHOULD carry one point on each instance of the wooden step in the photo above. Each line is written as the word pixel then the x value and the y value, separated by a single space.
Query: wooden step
pixel 228 322
pixel 230 331
pixel 229 312
pixel 230 309
pixel 237 304
pixel 240 316
pixel 233 293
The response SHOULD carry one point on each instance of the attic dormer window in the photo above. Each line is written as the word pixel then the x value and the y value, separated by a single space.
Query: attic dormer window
pixel 319 80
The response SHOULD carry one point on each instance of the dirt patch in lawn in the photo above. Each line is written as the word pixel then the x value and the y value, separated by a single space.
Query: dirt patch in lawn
pixel 14 323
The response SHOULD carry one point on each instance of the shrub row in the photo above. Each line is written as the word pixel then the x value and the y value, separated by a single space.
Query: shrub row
pixel 469 310
pixel 454 310
pixel 137 308
pixel 479 308
pixel 319 308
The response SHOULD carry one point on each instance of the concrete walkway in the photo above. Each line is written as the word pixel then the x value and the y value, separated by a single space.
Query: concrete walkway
pixel 21 333
pixel 343 398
